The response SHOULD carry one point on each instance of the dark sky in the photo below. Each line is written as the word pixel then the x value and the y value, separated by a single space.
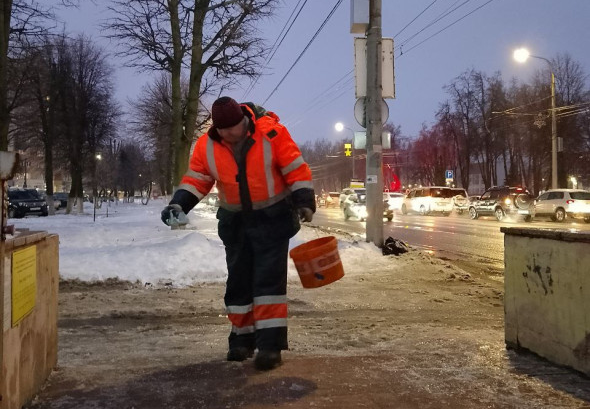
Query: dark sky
pixel 310 103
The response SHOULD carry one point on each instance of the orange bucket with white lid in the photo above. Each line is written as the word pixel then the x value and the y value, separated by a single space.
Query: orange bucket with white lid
pixel 318 262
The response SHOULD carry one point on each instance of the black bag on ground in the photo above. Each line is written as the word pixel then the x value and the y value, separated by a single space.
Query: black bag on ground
pixel 394 246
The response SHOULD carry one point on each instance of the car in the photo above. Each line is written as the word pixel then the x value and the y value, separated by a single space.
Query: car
pixel 502 201
pixel 61 198
pixel 394 200
pixel 327 199
pixel 346 192
pixel 559 204
pixel 430 199
pixel 355 206
pixel 43 194
pixel 22 202
pixel 460 199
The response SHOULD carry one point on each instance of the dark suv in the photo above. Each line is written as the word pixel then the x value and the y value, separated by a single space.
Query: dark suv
pixel 23 202
pixel 61 198
pixel 502 201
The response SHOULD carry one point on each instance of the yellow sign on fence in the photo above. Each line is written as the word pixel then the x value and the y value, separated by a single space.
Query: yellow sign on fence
pixel 24 282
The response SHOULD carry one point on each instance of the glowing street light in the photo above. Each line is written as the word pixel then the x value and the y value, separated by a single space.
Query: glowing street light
pixel 521 55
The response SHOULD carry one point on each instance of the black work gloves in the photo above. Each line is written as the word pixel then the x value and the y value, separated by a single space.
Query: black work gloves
pixel 305 214
pixel 172 215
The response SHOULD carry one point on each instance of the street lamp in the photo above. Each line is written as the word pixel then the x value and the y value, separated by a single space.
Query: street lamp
pixel 339 126
pixel 98 157
pixel 521 55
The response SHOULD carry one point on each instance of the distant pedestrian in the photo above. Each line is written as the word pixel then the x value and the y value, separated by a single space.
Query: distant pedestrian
pixel 265 189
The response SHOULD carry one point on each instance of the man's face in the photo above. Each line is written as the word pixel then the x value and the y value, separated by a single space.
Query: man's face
pixel 234 134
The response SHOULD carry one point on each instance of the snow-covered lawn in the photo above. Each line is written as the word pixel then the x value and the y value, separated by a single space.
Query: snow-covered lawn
pixel 133 244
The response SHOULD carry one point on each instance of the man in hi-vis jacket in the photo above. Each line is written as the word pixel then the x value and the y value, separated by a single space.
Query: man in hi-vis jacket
pixel 265 189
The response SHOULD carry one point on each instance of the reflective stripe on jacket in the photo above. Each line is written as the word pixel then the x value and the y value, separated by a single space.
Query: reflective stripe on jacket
pixel 274 166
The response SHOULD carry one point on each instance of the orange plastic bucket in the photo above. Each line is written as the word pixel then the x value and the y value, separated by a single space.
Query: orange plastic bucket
pixel 318 262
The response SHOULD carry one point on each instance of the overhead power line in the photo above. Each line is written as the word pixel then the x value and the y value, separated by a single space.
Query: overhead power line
pixel 414 19
pixel 321 98
pixel 305 49
pixel 449 26
pixel 287 32
pixel 451 9
pixel 274 49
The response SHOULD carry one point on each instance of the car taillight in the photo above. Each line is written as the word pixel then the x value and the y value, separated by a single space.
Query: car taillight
pixel 569 201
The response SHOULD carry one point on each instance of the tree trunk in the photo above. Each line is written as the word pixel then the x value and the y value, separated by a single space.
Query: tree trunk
pixel 5 12
pixel 175 71
pixel 196 75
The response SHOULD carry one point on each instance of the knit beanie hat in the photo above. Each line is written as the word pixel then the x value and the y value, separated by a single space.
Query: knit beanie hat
pixel 226 112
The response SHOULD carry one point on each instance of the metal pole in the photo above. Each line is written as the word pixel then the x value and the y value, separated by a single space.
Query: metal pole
pixel 374 180
pixel 353 167
pixel 554 184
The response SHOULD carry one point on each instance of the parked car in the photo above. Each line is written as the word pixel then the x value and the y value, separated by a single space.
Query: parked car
pixel 429 199
pixel 395 200
pixel 61 198
pixel 502 201
pixel 355 206
pixel 22 202
pixel 43 194
pixel 560 204
pixel 460 199
pixel 346 192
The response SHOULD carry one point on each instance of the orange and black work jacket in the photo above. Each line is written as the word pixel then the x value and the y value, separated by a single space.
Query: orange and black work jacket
pixel 268 169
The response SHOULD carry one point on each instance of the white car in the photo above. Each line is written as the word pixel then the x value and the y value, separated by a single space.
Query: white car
pixel 355 206
pixel 347 192
pixel 460 199
pixel 431 199
pixel 395 200
pixel 558 204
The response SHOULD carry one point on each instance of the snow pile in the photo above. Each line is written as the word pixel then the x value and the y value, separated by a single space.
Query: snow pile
pixel 133 244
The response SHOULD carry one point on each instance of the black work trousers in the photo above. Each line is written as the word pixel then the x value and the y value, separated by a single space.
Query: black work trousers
pixel 256 246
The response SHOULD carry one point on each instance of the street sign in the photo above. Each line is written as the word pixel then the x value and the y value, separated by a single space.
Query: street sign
pixel 387 68
pixel 449 175
pixel 360 111
pixel 360 140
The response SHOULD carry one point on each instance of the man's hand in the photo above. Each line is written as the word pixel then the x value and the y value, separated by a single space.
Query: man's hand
pixel 305 214
pixel 172 215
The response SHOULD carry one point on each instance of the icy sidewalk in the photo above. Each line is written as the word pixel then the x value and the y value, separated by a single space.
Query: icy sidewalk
pixel 416 334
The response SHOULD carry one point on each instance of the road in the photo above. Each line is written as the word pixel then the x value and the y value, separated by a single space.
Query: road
pixel 467 242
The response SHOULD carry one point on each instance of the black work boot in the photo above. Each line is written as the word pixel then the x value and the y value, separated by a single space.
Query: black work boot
pixel 267 359
pixel 239 354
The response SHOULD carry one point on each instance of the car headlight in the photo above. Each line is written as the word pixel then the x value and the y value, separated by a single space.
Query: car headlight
pixel 507 201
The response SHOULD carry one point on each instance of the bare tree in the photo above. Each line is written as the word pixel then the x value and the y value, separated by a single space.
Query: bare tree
pixel 331 169
pixel 20 20
pixel 215 39
pixel 459 116
pixel 88 113
pixel 571 100
pixel 152 123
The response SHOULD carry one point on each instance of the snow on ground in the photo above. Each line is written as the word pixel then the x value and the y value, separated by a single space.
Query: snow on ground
pixel 133 244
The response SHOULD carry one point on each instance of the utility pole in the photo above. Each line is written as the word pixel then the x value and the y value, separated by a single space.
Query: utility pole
pixel 554 182
pixel 374 181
